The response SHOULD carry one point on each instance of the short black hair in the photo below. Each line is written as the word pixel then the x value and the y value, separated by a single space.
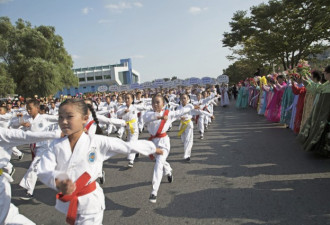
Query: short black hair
pixel 317 75
pixel 35 102
pixel 327 69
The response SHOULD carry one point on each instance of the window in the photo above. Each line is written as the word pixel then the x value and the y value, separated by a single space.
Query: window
pixel 122 77
pixel 98 77
pixel 107 77
pixel 90 78
pixel 82 79
pixel 135 78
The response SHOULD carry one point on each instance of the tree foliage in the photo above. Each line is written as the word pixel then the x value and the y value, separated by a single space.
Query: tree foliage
pixel 241 69
pixel 280 32
pixel 7 85
pixel 35 58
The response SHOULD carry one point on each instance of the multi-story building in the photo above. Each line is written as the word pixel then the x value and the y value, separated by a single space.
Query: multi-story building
pixel 91 78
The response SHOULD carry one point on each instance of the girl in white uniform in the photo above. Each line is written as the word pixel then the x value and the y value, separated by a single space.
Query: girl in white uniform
pixel 129 113
pixel 72 164
pixel 186 128
pixel 35 122
pixel 118 105
pixel 200 119
pixel 92 127
pixel 158 122
pixel 9 138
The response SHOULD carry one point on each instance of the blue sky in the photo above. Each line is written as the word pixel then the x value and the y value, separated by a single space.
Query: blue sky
pixel 164 38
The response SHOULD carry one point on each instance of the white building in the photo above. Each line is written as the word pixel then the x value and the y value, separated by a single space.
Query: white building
pixel 91 78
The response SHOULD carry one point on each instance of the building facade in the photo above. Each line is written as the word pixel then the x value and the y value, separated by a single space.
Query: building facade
pixel 91 78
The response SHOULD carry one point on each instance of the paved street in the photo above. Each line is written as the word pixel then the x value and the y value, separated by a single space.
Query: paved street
pixel 246 171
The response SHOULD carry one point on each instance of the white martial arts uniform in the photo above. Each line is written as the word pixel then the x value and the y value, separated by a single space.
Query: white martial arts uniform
pixel 187 128
pixel 162 167
pixel 108 110
pixel 131 119
pixel 9 138
pixel 38 124
pixel 88 155
pixel 201 119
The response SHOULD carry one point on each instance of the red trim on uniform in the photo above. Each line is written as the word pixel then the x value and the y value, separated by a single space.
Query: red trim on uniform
pixel 89 125
pixel 158 133
pixel 81 189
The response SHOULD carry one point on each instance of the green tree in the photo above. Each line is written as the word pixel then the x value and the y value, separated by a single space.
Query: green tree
pixel 241 69
pixel 7 85
pixel 280 32
pixel 35 57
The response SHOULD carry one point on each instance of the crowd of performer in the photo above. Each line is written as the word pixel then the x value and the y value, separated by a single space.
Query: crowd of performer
pixel 69 141
pixel 69 136
pixel 299 99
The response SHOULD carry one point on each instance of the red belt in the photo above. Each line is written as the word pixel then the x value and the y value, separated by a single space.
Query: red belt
pixel 81 190
pixel 33 149
pixel 157 136
pixel 151 156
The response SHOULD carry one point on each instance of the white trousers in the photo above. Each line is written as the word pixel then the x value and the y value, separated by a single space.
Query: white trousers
pixel 16 152
pixel 201 124
pixel 121 131
pixel 9 213
pixel 111 128
pixel 9 167
pixel 30 178
pixel 162 167
pixel 132 137
pixel 90 219
pixel 141 122
pixel 187 139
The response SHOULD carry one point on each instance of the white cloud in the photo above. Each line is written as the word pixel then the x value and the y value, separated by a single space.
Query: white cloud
pixel 138 4
pixel 104 21
pixel 5 1
pixel 197 10
pixel 123 5
pixel 75 56
pixel 86 10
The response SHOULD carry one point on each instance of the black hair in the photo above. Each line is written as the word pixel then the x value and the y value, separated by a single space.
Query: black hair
pixel 327 69
pixel 96 120
pixel 317 75
pixel 323 80
pixel 34 102
pixel 42 107
pixel 280 76
pixel 4 107
pixel 160 96
pixel 82 106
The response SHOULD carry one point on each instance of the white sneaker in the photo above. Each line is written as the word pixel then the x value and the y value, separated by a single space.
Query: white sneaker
pixel 153 198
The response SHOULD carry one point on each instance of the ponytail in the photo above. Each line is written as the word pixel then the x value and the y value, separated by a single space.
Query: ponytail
pixel 98 128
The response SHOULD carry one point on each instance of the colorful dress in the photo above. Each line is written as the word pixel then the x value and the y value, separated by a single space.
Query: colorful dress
pixel 274 113
pixel 301 92
pixel 287 100
pixel 315 134
pixel 293 108
pixel 270 94
pixel 242 99
pixel 309 101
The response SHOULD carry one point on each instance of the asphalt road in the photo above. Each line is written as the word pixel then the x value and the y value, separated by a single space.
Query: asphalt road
pixel 246 171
